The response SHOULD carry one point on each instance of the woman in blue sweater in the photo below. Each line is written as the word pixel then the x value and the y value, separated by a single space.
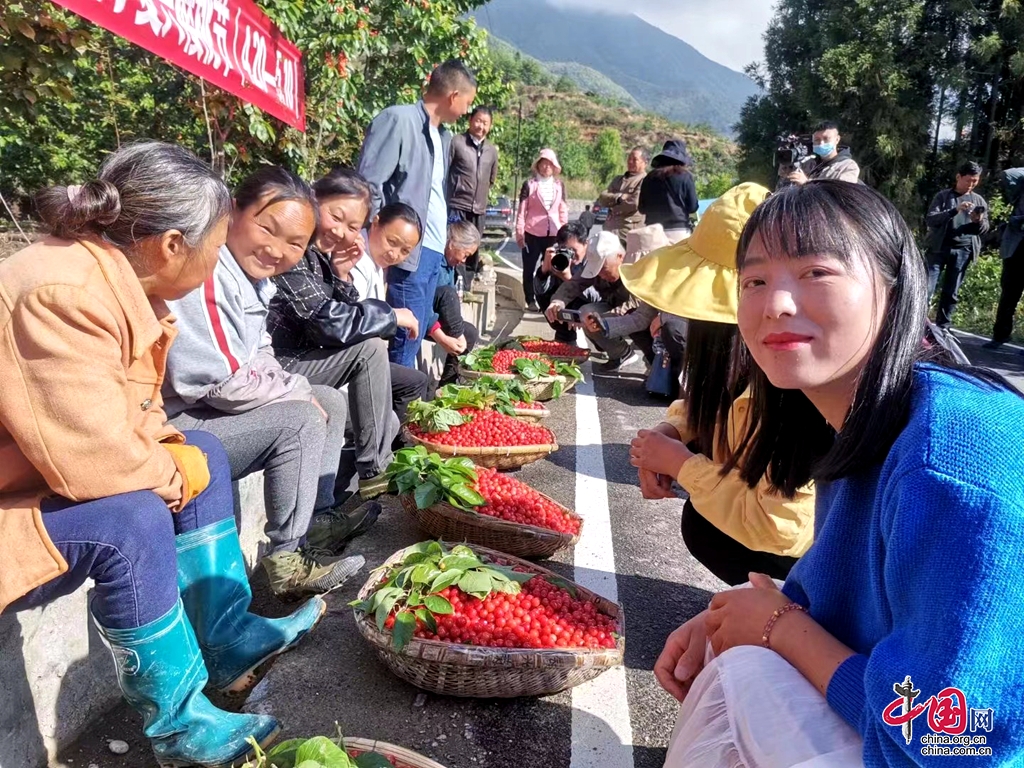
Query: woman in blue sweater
pixel 904 622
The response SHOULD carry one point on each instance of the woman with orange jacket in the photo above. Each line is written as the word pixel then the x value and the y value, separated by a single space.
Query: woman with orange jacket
pixel 93 481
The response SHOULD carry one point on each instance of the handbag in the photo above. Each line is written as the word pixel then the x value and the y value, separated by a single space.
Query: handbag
pixel 659 380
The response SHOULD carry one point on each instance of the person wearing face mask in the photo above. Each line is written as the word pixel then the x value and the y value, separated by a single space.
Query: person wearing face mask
pixel 473 171
pixel 223 378
pixel 830 161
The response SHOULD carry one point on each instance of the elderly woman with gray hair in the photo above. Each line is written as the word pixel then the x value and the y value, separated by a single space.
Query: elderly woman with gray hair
pixel 446 327
pixel 95 484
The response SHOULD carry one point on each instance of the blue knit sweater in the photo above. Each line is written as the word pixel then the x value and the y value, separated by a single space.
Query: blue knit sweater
pixel 918 566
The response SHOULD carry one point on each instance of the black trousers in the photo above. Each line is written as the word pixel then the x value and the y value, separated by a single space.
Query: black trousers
pixel 532 253
pixel 449 314
pixel 953 265
pixel 477 220
pixel 673 336
pixel 1011 284
pixel 407 384
pixel 724 556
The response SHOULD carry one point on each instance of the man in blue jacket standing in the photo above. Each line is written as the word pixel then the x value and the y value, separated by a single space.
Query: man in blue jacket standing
pixel 405 158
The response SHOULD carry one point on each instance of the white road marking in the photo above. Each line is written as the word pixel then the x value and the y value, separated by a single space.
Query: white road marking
pixel 497 252
pixel 602 734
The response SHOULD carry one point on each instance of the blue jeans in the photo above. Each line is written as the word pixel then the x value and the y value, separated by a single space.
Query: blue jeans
pixel 413 291
pixel 125 544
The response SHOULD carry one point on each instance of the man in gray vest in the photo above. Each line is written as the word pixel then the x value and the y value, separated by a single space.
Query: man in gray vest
pixel 473 170
pixel 405 159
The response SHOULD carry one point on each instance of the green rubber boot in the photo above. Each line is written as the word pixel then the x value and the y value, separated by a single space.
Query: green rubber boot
pixel 216 594
pixel 161 674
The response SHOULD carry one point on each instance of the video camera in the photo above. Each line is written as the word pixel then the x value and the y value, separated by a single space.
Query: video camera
pixel 562 258
pixel 792 149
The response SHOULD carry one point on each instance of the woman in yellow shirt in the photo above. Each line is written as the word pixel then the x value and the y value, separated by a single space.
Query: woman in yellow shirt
pixel 729 526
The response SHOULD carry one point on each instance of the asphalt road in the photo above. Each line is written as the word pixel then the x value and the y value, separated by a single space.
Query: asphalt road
pixel 336 678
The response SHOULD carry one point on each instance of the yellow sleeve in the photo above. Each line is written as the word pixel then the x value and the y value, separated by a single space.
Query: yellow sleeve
pixel 755 517
pixel 679 419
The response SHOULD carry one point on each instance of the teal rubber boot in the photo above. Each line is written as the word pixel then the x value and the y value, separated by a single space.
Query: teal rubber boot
pixel 161 674
pixel 216 594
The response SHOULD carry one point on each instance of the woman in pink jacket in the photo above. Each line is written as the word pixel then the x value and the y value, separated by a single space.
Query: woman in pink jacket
pixel 542 212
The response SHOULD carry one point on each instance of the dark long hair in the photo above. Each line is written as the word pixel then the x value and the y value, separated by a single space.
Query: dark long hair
pixel 788 439
pixel 715 371
pixel 278 183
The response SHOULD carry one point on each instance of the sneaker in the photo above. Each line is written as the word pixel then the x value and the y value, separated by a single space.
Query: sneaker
pixel 372 487
pixel 531 306
pixel 993 344
pixel 294 575
pixel 614 364
pixel 330 531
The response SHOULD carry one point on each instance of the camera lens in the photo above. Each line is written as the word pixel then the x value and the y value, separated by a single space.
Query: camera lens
pixel 560 261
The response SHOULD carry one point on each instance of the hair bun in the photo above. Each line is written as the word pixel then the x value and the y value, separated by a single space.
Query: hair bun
pixel 75 211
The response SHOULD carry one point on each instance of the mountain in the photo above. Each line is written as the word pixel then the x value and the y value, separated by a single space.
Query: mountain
pixel 586 79
pixel 591 81
pixel 660 71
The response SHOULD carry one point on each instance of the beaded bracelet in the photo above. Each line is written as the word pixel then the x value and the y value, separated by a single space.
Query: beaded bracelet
pixel 775 617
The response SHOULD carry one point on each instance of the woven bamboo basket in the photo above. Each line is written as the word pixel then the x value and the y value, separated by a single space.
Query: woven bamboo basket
pixel 532 415
pixel 400 756
pixel 508 457
pixel 483 672
pixel 542 389
pixel 443 521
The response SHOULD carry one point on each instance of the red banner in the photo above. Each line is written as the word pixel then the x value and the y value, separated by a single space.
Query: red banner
pixel 230 43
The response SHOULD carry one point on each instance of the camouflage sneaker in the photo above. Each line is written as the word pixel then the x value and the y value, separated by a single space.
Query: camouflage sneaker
pixel 372 487
pixel 308 572
pixel 330 531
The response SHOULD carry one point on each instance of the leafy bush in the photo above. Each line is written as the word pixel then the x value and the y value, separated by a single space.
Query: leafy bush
pixel 979 297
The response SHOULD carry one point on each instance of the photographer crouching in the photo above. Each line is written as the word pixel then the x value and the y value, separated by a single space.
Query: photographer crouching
pixel 800 161
pixel 597 290
pixel 560 264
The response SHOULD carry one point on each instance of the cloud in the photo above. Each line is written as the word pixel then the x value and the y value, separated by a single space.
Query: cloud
pixel 728 31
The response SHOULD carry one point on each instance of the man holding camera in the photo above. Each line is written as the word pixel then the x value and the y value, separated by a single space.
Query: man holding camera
pixel 957 218
pixel 560 264
pixel 598 290
pixel 830 161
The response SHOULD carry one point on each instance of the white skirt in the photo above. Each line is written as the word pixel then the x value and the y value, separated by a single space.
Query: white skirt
pixel 749 708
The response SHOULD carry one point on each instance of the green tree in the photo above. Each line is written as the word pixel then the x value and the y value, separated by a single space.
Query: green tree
pixel 606 155
pixel 70 92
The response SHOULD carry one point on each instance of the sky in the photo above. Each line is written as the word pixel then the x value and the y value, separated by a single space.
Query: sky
pixel 726 31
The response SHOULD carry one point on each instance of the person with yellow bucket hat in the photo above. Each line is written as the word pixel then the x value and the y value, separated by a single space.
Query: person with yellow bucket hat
pixel 729 526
